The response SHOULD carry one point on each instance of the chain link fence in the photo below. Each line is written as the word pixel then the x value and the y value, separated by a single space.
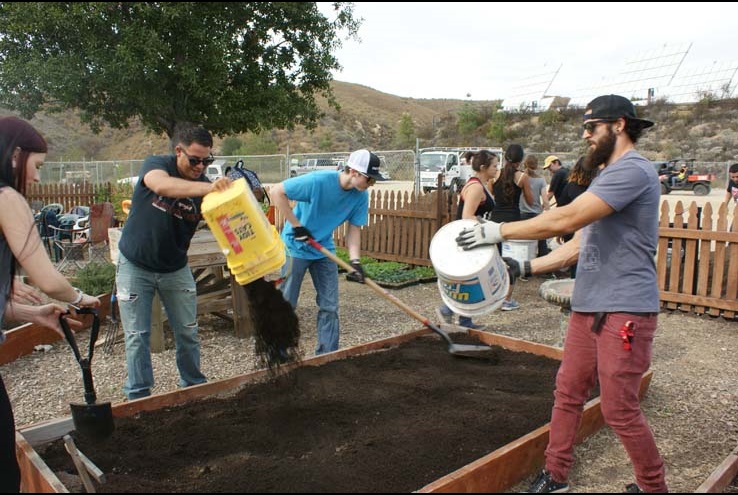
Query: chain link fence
pixel 396 164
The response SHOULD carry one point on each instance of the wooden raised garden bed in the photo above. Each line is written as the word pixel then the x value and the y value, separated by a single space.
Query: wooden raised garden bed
pixel 342 426
pixel 723 476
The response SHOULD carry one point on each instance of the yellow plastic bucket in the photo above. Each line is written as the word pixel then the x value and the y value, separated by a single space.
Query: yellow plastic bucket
pixel 251 245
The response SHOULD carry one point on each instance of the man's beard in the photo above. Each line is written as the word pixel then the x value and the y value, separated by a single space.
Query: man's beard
pixel 601 153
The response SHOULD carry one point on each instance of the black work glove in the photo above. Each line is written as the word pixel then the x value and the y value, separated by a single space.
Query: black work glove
pixel 514 270
pixel 302 234
pixel 358 275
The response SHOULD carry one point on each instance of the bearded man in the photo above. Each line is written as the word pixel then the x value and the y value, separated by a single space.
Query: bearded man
pixel 615 302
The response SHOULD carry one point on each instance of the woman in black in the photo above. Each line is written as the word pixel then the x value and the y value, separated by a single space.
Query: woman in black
pixel 475 200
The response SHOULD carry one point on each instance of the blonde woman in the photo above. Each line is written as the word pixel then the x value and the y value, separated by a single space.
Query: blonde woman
pixel 539 195
pixel 475 200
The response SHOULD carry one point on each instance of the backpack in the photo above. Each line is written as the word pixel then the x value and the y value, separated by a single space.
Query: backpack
pixel 238 171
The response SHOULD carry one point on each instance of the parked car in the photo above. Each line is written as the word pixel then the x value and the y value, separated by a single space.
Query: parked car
pixel 216 170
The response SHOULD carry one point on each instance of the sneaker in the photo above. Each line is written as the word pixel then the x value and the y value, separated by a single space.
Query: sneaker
pixel 633 488
pixel 510 305
pixel 544 483
pixel 445 314
pixel 470 324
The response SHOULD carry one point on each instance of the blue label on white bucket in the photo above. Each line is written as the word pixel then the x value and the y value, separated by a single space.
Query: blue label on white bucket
pixel 467 292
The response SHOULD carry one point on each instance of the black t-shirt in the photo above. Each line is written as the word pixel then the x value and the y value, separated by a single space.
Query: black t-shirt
pixel 733 190
pixel 558 182
pixel 158 230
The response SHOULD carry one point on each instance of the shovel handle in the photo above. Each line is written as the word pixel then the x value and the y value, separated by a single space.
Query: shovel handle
pixel 69 336
pixel 371 283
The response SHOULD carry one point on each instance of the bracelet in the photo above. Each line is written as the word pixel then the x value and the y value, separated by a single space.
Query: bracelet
pixel 79 297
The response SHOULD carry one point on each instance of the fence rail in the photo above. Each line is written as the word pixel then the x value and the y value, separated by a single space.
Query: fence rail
pixel 696 262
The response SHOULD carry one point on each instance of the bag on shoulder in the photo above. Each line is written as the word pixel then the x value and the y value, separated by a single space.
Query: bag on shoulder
pixel 238 171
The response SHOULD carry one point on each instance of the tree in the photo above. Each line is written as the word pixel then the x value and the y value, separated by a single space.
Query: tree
pixel 468 120
pixel 232 67
pixel 405 132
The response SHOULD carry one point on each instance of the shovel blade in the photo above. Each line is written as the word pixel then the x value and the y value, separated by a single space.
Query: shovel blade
pixel 475 351
pixel 93 420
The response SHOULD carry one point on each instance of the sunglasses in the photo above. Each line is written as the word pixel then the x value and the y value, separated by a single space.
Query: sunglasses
pixel 592 125
pixel 369 180
pixel 194 161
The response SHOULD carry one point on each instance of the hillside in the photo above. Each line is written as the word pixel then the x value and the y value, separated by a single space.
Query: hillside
pixel 707 130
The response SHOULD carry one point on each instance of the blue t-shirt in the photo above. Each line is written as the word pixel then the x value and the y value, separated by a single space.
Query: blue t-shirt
pixel 158 230
pixel 322 205
pixel 616 270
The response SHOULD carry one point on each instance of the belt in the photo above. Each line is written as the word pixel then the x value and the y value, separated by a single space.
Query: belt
pixel 599 317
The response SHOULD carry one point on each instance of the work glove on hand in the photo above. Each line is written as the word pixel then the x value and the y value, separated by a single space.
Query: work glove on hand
pixel 515 270
pixel 302 234
pixel 358 275
pixel 482 233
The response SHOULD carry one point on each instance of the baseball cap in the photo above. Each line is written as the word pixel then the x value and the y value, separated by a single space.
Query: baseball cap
pixel 365 162
pixel 609 107
pixel 514 153
pixel 549 160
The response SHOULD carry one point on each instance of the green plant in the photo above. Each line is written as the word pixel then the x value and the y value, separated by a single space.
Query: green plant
pixel 423 272
pixel 342 253
pixel 95 278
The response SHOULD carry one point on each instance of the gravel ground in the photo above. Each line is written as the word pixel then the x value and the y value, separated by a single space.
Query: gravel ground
pixel 692 404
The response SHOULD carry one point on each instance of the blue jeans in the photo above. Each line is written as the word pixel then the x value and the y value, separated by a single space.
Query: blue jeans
pixel 324 273
pixel 136 289
pixel 464 321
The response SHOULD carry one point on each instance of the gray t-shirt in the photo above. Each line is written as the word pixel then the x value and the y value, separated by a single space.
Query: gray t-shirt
pixel 616 271
pixel 537 187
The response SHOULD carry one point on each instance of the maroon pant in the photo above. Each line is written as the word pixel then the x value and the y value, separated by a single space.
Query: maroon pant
pixel 590 356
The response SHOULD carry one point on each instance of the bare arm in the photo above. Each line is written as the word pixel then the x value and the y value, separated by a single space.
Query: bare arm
pixel 559 258
pixel 353 242
pixel 46 315
pixel 17 225
pixel 727 197
pixel 524 184
pixel 544 200
pixel 164 184
pixel 473 196
pixel 587 208
pixel 282 202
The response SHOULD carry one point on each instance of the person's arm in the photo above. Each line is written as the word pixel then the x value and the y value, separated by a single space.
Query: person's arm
pixel 473 196
pixel 353 242
pixel 544 200
pixel 585 209
pixel 46 315
pixel 282 202
pixel 524 184
pixel 17 225
pixel 164 184
pixel 24 293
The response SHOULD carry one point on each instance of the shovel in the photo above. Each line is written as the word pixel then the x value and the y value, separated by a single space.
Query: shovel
pixel 90 419
pixel 461 350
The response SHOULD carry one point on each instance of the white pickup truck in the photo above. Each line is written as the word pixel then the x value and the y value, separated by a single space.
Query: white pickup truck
pixel 448 162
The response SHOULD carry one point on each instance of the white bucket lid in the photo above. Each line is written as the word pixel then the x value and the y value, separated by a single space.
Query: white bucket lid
pixel 451 260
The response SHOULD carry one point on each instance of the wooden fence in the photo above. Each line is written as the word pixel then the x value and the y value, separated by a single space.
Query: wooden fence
pixel 697 259
pixel 697 262
pixel 69 195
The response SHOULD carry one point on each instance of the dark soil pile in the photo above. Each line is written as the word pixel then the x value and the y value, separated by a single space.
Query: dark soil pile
pixel 390 421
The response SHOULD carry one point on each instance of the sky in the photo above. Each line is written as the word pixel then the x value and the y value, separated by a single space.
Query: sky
pixel 485 51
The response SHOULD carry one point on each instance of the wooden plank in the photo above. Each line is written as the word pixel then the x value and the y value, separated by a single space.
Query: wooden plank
pixel 81 469
pixel 511 464
pixel 676 255
pixel 690 257
pixel 36 477
pixel 20 341
pixel 715 303
pixel 242 322
pixel 731 286
pixel 722 476
pixel 718 265
pixel 705 256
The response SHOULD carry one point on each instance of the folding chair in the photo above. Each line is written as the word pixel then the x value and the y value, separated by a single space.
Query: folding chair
pixel 102 217
pixel 69 242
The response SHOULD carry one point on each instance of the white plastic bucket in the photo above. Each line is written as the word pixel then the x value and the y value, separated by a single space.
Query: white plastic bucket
pixel 471 282
pixel 520 250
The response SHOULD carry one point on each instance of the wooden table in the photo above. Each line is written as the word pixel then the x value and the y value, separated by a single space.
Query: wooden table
pixel 215 292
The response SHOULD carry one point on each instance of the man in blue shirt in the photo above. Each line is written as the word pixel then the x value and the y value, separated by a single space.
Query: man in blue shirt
pixel 325 199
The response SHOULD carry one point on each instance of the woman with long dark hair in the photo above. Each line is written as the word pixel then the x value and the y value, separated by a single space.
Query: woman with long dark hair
pixel 22 151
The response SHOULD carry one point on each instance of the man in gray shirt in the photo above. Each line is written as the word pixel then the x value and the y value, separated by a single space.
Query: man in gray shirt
pixel 615 302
